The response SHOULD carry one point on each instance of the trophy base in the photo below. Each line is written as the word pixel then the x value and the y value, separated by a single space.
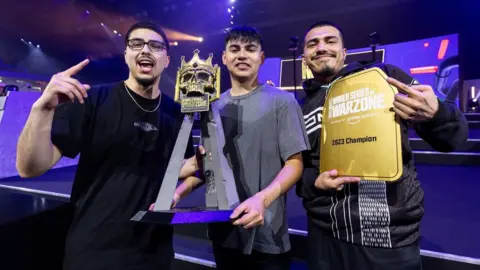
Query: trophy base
pixel 184 216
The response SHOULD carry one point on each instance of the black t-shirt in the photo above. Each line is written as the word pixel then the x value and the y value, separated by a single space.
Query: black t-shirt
pixel 124 152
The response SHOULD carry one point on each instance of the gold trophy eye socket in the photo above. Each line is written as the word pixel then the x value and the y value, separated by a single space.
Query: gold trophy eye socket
pixel 187 77
pixel 203 76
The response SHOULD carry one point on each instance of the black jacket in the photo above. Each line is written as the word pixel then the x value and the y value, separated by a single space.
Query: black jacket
pixel 374 213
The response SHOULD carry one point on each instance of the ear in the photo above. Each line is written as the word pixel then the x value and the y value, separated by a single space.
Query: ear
pixel 224 58
pixel 344 54
pixel 167 61
pixel 262 56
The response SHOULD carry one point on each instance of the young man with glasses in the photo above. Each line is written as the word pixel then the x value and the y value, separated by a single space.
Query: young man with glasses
pixel 125 133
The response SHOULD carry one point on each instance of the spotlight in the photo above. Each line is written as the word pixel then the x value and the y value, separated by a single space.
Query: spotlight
pixel 86 11
pixel 119 35
pixel 200 39
pixel 102 24
pixel 114 31
pixel 474 102
pixel 38 46
pixel 232 1
pixel 473 105
pixel 22 39
pixel 229 10
pixel 231 22
pixel 176 43
pixel 29 42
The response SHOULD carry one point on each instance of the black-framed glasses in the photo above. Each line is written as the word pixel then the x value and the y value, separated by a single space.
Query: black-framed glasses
pixel 137 44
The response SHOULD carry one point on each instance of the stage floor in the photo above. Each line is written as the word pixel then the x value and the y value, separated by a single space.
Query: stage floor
pixel 55 184
pixel 448 226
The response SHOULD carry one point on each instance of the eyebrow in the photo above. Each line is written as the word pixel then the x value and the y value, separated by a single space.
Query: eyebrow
pixel 249 45
pixel 137 38
pixel 324 37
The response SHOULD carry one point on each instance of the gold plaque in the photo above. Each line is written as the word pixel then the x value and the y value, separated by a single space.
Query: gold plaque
pixel 198 84
pixel 361 136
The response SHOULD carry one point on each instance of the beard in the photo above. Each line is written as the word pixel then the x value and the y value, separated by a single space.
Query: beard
pixel 146 83
pixel 325 71
pixel 323 68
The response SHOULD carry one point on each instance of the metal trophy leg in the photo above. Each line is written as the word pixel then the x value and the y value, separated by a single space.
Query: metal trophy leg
pixel 221 193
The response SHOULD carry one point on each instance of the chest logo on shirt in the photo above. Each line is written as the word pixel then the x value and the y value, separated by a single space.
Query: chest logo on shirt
pixel 313 120
pixel 147 127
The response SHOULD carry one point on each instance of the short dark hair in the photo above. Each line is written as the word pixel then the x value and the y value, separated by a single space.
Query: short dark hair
pixel 151 26
pixel 326 23
pixel 244 34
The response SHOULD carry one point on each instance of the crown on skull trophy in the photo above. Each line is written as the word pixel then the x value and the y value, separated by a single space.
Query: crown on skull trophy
pixel 198 63
pixel 198 76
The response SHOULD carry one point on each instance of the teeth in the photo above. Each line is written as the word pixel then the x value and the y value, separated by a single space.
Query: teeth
pixel 145 62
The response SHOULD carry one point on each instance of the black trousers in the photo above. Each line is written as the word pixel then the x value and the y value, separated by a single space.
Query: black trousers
pixel 328 253
pixel 231 259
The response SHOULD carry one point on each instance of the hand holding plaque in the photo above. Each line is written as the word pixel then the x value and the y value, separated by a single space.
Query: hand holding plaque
pixel 329 180
pixel 360 134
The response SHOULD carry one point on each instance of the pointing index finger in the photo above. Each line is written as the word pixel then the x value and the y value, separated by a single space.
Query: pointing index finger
pixel 75 69
pixel 402 87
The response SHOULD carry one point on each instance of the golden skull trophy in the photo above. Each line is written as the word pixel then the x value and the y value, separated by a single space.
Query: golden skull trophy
pixel 198 83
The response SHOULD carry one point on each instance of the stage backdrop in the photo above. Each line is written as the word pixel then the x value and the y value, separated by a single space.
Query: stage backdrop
pixel 16 111
pixel 432 61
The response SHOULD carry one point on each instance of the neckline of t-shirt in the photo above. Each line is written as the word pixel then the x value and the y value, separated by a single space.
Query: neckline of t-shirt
pixel 140 98
pixel 255 90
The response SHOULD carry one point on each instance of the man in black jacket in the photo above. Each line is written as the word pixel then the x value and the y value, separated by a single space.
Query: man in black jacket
pixel 339 234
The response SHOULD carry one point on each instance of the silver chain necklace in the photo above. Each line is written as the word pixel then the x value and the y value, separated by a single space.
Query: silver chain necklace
pixel 156 108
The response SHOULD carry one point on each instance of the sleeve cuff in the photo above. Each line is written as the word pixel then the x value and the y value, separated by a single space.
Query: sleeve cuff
pixel 440 117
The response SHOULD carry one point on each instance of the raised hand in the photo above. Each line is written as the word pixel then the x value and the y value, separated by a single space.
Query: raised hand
pixel 414 103
pixel 63 88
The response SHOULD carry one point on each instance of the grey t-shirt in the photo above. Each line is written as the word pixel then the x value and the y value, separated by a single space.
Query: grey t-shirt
pixel 262 130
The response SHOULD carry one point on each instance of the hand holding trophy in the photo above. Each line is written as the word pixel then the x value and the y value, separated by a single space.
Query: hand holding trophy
pixel 197 85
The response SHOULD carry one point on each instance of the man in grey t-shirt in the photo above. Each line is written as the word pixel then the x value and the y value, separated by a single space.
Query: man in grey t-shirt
pixel 264 138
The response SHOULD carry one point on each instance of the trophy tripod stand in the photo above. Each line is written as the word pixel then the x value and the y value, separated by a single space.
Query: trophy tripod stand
pixel 197 85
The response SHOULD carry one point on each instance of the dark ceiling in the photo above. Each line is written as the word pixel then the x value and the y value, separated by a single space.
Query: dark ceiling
pixel 67 34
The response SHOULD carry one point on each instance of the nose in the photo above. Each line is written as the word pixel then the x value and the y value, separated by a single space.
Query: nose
pixel 321 47
pixel 146 49
pixel 241 54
